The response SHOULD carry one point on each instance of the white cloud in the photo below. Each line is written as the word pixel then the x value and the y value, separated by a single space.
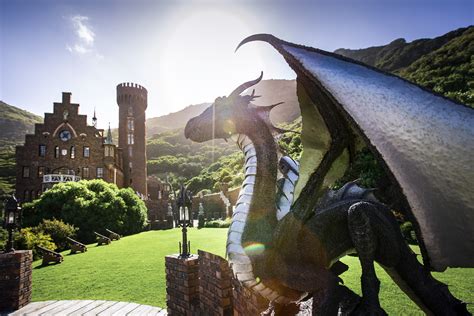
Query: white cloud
pixel 84 37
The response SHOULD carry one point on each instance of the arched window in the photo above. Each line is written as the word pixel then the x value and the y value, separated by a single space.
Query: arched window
pixel 73 152
pixel 56 152
pixel 130 138
pixel 106 151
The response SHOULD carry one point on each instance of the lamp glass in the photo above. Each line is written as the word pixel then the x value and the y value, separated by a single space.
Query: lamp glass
pixel 181 213
pixel 11 217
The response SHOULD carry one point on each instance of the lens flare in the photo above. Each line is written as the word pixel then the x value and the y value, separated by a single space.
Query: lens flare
pixel 254 249
pixel 229 127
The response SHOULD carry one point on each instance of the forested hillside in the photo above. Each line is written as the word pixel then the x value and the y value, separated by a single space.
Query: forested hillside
pixel 444 64
pixel 14 124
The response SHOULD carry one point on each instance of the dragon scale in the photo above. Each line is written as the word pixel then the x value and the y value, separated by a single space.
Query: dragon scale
pixel 240 261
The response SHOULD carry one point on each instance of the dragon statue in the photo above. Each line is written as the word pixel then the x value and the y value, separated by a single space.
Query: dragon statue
pixel 287 235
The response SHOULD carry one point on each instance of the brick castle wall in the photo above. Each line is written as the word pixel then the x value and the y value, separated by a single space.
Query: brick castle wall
pixel 15 280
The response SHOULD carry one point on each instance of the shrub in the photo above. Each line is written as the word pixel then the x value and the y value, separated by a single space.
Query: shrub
pixel 3 238
pixel 90 206
pixel 218 223
pixel 29 238
pixel 409 233
pixel 59 231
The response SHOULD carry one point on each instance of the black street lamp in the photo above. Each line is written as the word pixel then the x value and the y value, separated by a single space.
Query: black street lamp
pixel 184 204
pixel 11 220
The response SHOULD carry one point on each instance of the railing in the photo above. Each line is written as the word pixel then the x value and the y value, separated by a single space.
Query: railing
pixel 55 178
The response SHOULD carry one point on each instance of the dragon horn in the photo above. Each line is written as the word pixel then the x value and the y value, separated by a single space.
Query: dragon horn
pixel 268 108
pixel 245 86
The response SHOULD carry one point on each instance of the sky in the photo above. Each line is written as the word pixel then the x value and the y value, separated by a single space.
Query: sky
pixel 183 51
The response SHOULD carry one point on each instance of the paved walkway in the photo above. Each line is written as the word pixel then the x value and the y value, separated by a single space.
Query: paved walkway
pixel 88 307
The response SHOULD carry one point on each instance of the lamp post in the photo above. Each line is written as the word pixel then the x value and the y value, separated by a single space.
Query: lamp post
pixel 184 204
pixel 11 220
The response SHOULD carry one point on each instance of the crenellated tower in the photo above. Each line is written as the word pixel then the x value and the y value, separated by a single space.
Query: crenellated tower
pixel 132 102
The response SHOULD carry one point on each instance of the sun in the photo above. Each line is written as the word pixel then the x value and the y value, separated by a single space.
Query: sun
pixel 197 62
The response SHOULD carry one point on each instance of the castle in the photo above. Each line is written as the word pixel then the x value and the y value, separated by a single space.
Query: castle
pixel 65 148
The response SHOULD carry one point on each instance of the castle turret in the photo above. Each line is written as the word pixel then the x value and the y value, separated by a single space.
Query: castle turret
pixel 132 102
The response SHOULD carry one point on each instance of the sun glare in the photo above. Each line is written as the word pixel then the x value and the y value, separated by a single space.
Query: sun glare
pixel 198 62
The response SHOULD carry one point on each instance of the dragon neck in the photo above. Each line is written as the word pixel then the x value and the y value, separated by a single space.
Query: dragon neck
pixel 261 219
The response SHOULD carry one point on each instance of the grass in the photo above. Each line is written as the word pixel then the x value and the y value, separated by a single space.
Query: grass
pixel 132 269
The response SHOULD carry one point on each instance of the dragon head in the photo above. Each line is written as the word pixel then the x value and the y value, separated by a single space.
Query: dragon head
pixel 227 116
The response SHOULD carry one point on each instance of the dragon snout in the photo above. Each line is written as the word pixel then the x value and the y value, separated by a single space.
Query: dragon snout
pixel 191 129
pixel 194 131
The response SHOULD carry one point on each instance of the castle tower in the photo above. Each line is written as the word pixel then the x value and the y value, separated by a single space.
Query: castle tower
pixel 132 102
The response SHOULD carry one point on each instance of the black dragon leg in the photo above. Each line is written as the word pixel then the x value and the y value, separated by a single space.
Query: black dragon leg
pixel 365 243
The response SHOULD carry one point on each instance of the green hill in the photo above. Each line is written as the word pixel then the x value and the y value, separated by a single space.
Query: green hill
pixel 444 64
pixel 14 124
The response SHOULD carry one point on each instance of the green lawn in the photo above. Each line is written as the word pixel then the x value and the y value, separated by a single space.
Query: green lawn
pixel 132 269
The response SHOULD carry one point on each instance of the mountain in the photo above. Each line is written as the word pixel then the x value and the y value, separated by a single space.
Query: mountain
pixel 14 124
pixel 173 120
pixel 271 91
pixel 399 54
pixel 443 64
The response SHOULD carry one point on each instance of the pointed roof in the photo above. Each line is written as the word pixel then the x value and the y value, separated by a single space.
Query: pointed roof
pixel 108 139
pixel 94 119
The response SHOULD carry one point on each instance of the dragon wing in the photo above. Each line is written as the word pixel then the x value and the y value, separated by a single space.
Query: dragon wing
pixel 426 142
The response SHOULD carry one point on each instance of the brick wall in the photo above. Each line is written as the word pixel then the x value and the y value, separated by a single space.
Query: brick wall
pixel 182 288
pixel 247 302
pixel 215 285
pixel 15 280
pixel 204 285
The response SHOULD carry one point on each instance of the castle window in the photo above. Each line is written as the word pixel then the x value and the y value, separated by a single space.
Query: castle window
pixel 86 151
pixel 130 124
pixel 130 110
pixel 26 195
pixel 40 172
pixel 100 172
pixel 130 139
pixel 85 172
pixel 56 152
pixel 130 151
pixel 64 152
pixel 73 152
pixel 26 172
pixel 42 151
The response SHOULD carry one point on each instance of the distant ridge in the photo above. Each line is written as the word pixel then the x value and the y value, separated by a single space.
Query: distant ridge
pixel 271 91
